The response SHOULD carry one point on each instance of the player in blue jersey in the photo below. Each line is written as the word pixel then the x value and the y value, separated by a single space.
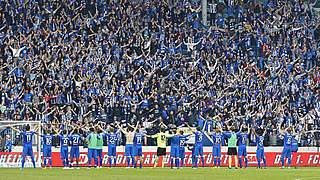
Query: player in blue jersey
pixel 27 137
pixel 287 146
pixel 64 148
pixel 75 141
pixel 139 140
pixel 208 124
pixel 260 134
pixel 242 136
pixel 47 148
pixel 112 139
pixel 182 144
pixel 174 152
pixel 217 140
pixel 198 145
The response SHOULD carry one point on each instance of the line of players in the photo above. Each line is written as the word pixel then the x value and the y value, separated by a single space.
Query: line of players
pixel 135 140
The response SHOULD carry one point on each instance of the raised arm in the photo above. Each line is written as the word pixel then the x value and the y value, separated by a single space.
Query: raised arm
pixel 135 129
pixel 265 131
pixel 254 132
pixel 190 127
pixel 15 129
pixel 121 129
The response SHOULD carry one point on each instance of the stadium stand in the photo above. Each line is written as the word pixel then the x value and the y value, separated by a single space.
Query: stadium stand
pixel 80 62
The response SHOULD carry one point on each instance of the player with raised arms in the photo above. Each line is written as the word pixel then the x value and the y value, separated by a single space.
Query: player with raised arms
pixel 174 152
pixel 217 139
pixel 139 140
pixel 198 145
pixel 27 137
pixel 242 136
pixel 64 148
pixel 260 135
pixel 129 150
pixel 92 147
pixel 232 146
pixel 75 141
pixel 162 144
pixel 182 144
pixel 47 148
pixel 112 139
pixel 100 140
pixel 287 145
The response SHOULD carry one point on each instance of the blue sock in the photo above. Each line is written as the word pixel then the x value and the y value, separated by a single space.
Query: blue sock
pixel 110 162
pixel 171 162
pixel 289 161
pixel 135 164
pixel 215 161
pixel 33 162
pixel 95 161
pixel 23 161
pixel 259 163
pixel 45 162
pixel 114 161
pixel 177 162
pixel 240 162
pixel 140 164
pixel 219 162
pixel 100 161
pixel 246 161
pixel 89 162
pixel 193 160
pixel 182 162
pixel 128 161
pixel 282 161
pixel 202 159
pixel 264 162
pixel 50 162
pixel 67 161
pixel 196 159
pixel 132 161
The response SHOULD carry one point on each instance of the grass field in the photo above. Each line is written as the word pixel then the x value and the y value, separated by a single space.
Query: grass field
pixel 158 173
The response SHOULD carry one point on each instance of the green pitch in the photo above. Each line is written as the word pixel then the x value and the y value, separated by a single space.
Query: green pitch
pixel 158 173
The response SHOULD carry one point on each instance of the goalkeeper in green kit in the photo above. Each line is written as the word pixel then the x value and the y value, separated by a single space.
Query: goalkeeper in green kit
pixel 92 147
pixel 100 137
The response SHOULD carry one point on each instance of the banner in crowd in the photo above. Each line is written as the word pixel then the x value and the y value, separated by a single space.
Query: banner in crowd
pixel 304 158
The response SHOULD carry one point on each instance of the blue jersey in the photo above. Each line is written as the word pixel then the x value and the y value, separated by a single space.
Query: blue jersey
pixel 260 140
pixel 287 140
pixel 242 138
pixel 112 139
pixel 175 141
pixel 182 141
pixel 47 140
pixel 138 139
pixel 217 139
pixel 75 140
pixel 27 138
pixel 64 140
pixel 198 137
pixel 209 125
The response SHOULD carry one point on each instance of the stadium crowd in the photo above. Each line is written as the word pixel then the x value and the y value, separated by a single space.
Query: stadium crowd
pixel 78 62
